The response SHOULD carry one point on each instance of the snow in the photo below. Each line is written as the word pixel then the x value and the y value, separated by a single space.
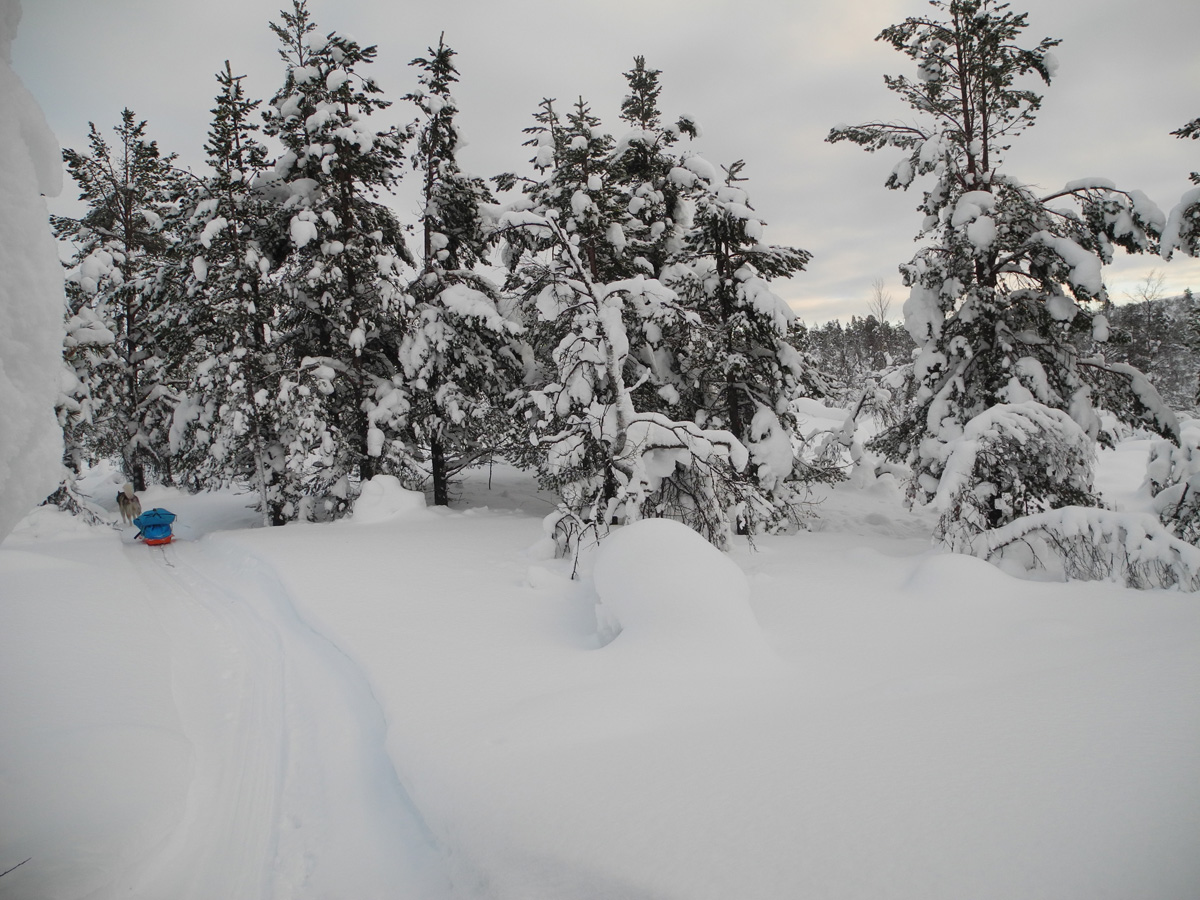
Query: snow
pixel 424 703
pixel 212 229
pixel 1084 266
pixel 1173 232
pixel 428 706
pixel 770 446
pixel 31 294
pixel 702 167
pixel 1086 184
pixel 923 315
pixel 303 227
pixel 674 603
pixel 982 232
pixel 971 206
pixel 383 499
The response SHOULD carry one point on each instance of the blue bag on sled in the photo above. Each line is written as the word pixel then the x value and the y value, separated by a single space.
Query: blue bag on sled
pixel 154 526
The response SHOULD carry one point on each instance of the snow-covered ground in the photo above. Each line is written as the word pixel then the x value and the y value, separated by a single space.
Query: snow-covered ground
pixel 422 704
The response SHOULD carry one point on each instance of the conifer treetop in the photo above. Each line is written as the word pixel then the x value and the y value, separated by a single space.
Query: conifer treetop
pixel 966 92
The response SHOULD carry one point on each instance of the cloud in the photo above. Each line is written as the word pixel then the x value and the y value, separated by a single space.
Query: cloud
pixel 765 79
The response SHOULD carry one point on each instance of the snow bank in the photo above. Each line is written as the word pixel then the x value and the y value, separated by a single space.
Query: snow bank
pixel 666 592
pixel 383 498
pixel 31 294
pixel 937 720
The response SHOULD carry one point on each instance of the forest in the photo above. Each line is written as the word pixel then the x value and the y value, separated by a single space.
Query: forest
pixel 606 318
pixel 514 539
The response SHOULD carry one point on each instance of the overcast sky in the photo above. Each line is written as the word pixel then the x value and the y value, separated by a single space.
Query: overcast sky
pixel 766 79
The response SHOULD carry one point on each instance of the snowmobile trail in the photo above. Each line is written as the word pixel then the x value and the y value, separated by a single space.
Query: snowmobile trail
pixel 292 792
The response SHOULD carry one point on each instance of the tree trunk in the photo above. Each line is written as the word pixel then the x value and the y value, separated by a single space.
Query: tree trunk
pixel 137 475
pixel 441 480
pixel 260 476
pixel 736 425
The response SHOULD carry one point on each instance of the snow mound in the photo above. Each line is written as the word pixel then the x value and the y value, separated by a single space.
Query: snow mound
pixel 383 498
pixel 665 591
pixel 958 575
pixel 51 523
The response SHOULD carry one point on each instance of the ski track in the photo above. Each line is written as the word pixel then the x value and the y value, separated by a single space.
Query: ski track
pixel 293 794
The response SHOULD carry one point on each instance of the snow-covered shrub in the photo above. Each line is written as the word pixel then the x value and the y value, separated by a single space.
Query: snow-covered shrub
pixel 886 395
pixel 663 469
pixel 1078 543
pixel 824 443
pixel 1173 475
pixel 1011 461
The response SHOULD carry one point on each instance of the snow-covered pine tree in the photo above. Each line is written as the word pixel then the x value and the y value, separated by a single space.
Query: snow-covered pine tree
pixel 610 462
pixel 656 199
pixel 571 165
pixel 343 276
pixel 227 425
pixel 1001 289
pixel 1182 231
pixel 458 359
pixel 739 369
pixel 607 451
pixel 117 282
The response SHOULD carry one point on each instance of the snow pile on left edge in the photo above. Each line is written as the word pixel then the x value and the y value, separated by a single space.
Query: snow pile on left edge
pixel 31 294
pixel 383 498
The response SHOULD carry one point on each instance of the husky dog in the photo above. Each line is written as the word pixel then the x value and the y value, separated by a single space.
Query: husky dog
pixel 129 504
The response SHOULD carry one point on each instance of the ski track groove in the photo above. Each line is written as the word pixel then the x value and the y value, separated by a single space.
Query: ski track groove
pixel 287 737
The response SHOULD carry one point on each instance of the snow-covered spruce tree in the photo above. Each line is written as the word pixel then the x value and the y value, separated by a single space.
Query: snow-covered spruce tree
pixel 654 195
pixel 739 370
pixel 657 200
pixel 226 427
pixel 1182 231
pixel 1000 290
pixel 343 276
pixel 458 358
pixel 118 281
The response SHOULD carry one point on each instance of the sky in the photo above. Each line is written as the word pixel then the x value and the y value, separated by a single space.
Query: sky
pixel 766 80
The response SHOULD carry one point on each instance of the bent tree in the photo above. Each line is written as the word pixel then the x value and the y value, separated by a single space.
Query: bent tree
pixel 1003 285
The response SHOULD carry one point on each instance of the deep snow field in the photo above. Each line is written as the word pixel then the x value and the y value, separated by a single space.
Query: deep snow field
pixel 420 703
